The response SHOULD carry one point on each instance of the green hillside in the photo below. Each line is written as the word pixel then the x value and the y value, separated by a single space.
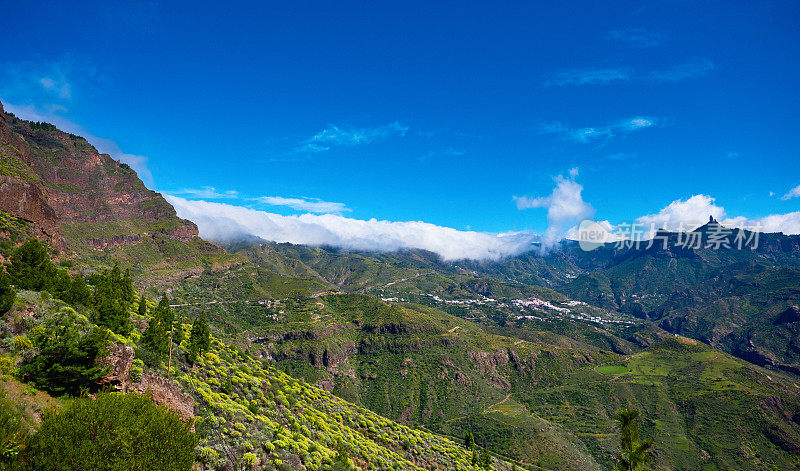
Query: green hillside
pixel 537 397
pixel 245 412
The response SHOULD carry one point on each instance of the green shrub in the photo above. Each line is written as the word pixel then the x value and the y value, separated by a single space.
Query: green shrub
pixel 114 432
pixel 250 460
pixel 148 357
pixel 13 432
pixel 7 293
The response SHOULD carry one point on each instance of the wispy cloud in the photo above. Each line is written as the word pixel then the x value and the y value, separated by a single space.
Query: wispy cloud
pixel 589 77
pixel 58 85
pixel 333 136
pixel 622 156
pixel 221 222
pixel 599 134
pixel 793 193
pixel 311 205
pixel 637 37
pixel 305 204
pixel 44 83
pixel 103 145
pixel 207 192
pixel 697 68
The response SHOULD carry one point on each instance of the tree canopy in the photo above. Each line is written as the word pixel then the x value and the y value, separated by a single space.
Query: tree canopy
pixel 67 354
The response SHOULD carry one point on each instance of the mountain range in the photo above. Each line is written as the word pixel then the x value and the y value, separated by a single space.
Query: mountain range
pixel 532 354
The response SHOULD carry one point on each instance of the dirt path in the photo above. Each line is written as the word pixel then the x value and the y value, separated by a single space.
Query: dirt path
pixel 498 404
pixel 406 279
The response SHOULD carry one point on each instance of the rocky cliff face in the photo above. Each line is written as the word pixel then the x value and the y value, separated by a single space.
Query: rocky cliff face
pixel 53 178
pixel 21 191
pixel 87 203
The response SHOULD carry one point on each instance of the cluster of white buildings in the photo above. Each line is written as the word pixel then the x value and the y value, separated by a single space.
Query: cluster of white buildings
pixel 563 310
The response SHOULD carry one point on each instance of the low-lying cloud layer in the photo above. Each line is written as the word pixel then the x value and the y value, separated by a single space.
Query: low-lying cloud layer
pixel 222 222
pixel 565 210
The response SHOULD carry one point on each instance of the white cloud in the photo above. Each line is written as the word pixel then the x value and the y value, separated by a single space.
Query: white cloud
pixel 683 215
pixel 41 81
pixel 311 205
pixel 220 222
pixel 788 223
pixel 689 214
pixel 59 86
pixel 599 134
pixel 793 193
pixel 565 208
pixel 105 146
pixel 341 136
pixel 698 67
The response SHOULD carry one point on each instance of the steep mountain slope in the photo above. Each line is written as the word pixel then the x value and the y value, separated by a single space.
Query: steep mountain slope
pixel 87 203
pixel 245 412
pixel 538 397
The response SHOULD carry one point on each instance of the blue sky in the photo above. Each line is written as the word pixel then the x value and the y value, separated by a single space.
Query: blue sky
pixel 459 114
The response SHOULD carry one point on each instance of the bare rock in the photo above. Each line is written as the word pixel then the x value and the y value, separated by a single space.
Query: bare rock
pixel 167 393
pixel 119 360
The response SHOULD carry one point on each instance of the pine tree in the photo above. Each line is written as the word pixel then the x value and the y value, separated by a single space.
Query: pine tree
pixel 633 451
pixel 142 310
pixel 113 297
pixel 31 267
pixel 78 291
pixel 156 337
pixel 67 353
pixel 200 336
pixel 469 440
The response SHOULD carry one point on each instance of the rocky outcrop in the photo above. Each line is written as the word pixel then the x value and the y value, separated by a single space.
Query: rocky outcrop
pixel 101 243
pixel 118 360
pixel 167 393
pixel 488 363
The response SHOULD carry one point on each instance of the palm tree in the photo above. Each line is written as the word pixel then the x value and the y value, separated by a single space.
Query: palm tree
pixel 633 452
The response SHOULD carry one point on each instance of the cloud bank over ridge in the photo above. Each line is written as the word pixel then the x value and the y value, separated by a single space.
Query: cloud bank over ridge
pixel 222 222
